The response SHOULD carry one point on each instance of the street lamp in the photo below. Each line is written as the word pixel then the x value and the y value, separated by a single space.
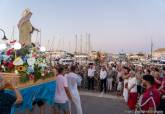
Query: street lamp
pixel 42 49
pixel 17 46
pixel 4 36
pixel 3 47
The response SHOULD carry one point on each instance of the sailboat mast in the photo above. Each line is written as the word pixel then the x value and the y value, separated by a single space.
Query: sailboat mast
pixel 40 38
pixel 59 44
pixel 47 46
pixel 63 43
pixel 51 46
pixel 151 49
pixel 89 43
pixel 76 44
pixel 12 38
pixel 69 47
pixel 81 50
pixel 86 44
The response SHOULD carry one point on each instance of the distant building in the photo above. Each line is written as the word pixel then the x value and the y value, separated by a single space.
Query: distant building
pixel 159 53
pixel 93 55
pixel 137 56
pixel 60 54
pixel 122 56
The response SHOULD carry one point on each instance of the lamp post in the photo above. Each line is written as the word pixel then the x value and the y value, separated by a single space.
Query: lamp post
pixel 4 36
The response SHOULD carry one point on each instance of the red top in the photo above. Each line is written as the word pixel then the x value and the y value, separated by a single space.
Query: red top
pixel 151 92
pixel 163 90
pixel 157 85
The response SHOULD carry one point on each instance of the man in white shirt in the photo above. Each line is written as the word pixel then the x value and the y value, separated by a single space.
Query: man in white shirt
pixel 62 94
pixel 74 80
pixel 103 80
pixel 91 73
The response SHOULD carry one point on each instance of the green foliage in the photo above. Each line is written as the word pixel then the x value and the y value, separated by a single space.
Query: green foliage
pixel 50 74
pixel 24 79
pixel 37 73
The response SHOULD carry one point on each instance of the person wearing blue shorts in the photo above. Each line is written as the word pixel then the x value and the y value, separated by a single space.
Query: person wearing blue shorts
pixel 62 94
pixel 62 107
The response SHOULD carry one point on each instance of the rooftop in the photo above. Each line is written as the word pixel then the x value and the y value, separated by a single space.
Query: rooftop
pixel 160 50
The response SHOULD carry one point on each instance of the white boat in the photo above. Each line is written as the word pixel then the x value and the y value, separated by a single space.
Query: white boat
pixel 67 61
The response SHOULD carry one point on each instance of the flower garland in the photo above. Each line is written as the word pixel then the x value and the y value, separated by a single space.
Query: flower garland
pixel 28 62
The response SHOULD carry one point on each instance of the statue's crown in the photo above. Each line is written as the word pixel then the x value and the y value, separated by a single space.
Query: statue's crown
pixel 26 12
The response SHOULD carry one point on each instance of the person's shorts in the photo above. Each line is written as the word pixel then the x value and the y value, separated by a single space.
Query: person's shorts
pixel 61 107
pixel 139 89
pixel 38 102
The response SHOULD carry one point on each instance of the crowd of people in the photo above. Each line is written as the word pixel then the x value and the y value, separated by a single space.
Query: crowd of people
pixel 142 86
pixel 130 81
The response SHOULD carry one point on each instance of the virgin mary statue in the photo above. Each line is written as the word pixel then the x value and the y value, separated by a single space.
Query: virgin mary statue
pixel 25 28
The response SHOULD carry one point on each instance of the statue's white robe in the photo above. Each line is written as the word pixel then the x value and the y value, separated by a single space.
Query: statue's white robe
pixel 25 33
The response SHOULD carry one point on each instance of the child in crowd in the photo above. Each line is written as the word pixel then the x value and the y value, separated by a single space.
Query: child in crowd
pixel 120 87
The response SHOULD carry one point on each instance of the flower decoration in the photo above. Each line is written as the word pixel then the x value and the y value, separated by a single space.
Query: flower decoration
pixel 18 61
pixel 31 77
pixel 9 52
pixel 1 58
pixel 30 70
pixel 37 72
pixel 3 68
pixel 16 72
pixel 4 63
pixel 24 58
pixel 42 65
pixel 21 68
pixel 39 60
pixel 34 55
pixel 10 65
pixel 31 61
pixel 12 42
pixel 5 57
pixel 42 74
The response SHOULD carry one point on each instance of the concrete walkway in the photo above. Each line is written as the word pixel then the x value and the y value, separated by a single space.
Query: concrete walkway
pixel 97 94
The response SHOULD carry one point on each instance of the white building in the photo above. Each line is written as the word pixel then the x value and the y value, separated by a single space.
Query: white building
pixel 159 53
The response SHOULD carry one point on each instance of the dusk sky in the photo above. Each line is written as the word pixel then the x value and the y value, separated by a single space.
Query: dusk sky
pixel 114 25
